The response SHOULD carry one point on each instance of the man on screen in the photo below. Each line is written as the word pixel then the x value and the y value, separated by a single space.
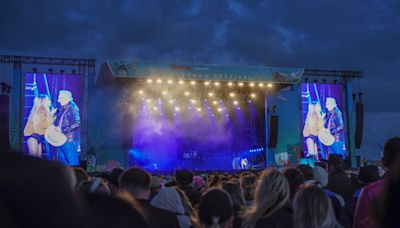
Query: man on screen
pixel 68 117
pixel 334 123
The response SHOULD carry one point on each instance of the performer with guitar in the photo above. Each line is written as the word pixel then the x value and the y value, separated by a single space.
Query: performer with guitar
pixel 65 134
pixel 333 134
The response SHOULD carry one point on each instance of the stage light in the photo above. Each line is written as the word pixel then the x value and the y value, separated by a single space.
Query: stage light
pixel 148 100
pixel 187 93
pixel 249 101
pixel 170 82
pixel 177 109
pixel 215 102
pixel 206 83
pixel 140 92
pixel 164 92
pixel 240 84
pixel 171 101
pixel 251 84
pixel 159 81
pixel 216 83
pixel 235 102
pixel 270 85
pixel 193 83
pixel 155 108
pixel 210 94
pixel 181 82
pixel 230 84
pixel 199 109
pixel 149 81
pixel 219 109
pixel 261 84
pixel 193 101
pixel 208 108
pixel 253 95
pixel 232 94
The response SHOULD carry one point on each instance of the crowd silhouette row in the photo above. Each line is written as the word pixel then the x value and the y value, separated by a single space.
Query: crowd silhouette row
pixel 40 193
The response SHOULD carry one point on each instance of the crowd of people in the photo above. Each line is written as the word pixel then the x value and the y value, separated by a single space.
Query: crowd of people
pixel 40 193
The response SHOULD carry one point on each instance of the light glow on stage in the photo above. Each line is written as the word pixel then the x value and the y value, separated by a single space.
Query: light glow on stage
pixel 196 114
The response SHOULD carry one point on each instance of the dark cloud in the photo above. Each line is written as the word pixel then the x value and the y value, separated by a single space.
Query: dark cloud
pixel 354 35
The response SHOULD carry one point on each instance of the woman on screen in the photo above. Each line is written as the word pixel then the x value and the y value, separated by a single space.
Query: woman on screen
pixel 314 122
pixel 39 120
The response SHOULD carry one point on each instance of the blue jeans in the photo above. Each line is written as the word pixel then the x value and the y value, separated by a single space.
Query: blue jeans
pixel 337 148
pixel 68 153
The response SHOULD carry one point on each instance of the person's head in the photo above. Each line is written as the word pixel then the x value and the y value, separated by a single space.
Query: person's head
pixel 307 172
pixel 81 175
pixel 312 208
pixel 215 181
pixel 136 181
pixel 184 177
pixel 114 176
pixel 317 107
pixel 111 211
pixel 330 103
pixel 272 194
pixel 199 183
pixel 391 152
pixel 45 100
pixel 41 102
pixel 64 97
pixel 95 186
pixel 295 179
pixel 248 183
pixel 335 163
pixel 236 193
pixel 169 199
pixel 367 174
pixel 321 176
pixel 155 185
pixel 323 164
pixel 216 209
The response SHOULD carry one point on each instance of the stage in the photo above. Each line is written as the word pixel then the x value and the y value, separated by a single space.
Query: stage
pixel 164 117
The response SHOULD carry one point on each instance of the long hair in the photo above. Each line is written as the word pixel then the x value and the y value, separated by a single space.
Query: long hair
pixel 189 210
pixel 248 183
pixel 313 209
pixel 272 193
pixel 40 108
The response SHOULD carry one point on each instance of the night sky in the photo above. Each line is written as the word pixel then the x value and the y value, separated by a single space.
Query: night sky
pixel 341 34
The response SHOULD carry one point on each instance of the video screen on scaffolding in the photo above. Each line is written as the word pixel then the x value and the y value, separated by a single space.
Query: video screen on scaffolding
pixel 323 120
pixel 52 116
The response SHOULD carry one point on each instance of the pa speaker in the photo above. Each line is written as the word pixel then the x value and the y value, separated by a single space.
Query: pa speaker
pixel 273 131
pixel 359 123
pixel 4 129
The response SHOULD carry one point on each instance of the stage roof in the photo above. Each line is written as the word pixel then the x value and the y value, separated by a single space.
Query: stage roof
pixel 139 69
